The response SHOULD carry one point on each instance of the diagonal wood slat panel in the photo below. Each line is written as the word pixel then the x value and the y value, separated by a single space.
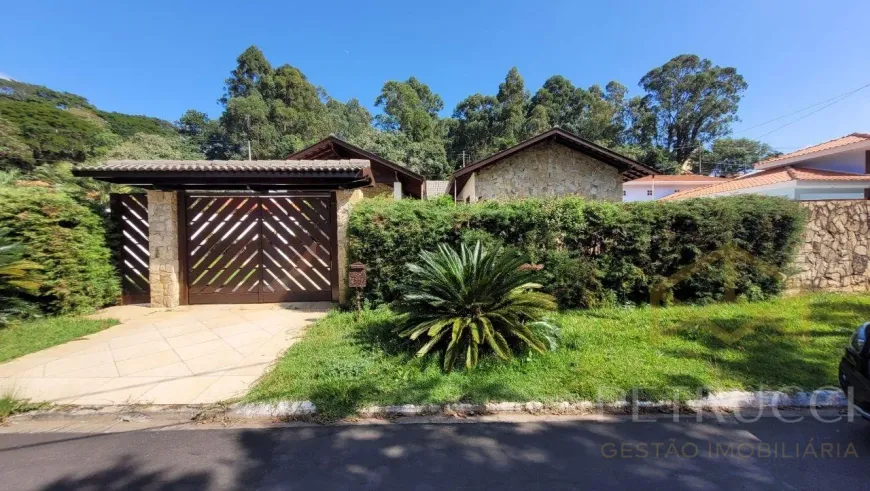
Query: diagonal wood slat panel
pixel 223 245
pixel 249 248
pixel 130 215
pixel 296 248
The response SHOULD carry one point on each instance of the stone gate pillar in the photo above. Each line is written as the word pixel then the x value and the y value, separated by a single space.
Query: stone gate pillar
pixel 344 201
pixel 164 268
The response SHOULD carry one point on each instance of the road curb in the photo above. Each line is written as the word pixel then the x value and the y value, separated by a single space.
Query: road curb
pixel 301 410
pixel 723 401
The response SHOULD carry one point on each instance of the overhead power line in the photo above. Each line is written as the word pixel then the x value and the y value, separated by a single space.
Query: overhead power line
pixel 814 112
pixel 836 99
pixel 828 103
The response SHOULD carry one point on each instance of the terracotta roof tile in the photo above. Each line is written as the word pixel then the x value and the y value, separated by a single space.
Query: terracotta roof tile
pixel 228 166
pixel 807 174
pixel 687 178
pixel 828 145
pixel 766 177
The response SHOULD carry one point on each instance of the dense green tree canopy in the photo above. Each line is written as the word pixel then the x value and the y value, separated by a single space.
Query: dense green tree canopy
pixel 731 156
pixel 686 104
pixel 694 102
pixel 411 108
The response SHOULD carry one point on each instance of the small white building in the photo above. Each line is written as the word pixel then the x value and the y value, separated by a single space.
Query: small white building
pixel 654 187
pixel 835 170
pixel 435 189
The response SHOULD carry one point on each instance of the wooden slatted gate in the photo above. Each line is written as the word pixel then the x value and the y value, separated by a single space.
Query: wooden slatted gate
pixel 249 249
pixel 130 216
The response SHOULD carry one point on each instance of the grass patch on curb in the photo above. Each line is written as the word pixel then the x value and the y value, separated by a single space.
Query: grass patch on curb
pixel 9 405
pixel 783 344
pixel 27 337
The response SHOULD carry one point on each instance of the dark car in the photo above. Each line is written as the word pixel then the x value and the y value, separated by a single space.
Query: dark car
pixel 855 370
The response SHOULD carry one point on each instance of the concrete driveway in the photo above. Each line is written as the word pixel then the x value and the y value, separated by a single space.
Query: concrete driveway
pixel 188 355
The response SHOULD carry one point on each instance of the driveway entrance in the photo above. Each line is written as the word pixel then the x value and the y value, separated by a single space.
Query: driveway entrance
pixel 256 249
pixel 189 355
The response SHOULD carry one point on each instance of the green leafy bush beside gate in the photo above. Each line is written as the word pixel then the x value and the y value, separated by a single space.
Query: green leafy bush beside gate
pixel 594 253
pixel 68 241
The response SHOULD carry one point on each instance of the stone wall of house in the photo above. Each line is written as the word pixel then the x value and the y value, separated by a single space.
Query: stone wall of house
pixel 834 253
pixel 164 267
pixel 549 169
pixel 378 190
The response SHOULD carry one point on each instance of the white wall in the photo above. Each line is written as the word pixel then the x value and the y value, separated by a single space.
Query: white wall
pixel 815 194
pixel 638 192
pixel 853 162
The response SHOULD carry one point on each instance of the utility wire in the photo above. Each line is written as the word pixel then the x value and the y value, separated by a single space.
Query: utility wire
pixel 846 94
pixel 810 114
pixel 827 102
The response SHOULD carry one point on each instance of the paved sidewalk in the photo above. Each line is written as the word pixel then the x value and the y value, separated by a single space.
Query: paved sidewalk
pixel 188 355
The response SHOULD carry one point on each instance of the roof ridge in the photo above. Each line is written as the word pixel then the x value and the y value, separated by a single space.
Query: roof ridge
pixel 791 154
pixel 812 170
pixel 791 173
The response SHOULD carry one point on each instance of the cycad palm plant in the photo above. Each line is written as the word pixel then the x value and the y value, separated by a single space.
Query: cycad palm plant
pixel 475 298
pixel 17 278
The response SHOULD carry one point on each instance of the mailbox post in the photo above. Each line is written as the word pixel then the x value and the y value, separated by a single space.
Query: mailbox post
pixel 357 279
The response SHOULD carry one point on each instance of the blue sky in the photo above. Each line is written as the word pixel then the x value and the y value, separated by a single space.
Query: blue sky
pixel 161 58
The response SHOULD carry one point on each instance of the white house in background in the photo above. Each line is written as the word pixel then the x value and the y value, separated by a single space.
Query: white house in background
pixel 834 170
pixel 653 187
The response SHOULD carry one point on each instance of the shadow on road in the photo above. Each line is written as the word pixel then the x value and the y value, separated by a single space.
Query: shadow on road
pixel 551 455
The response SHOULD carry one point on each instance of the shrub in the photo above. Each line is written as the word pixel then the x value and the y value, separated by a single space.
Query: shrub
pixel 575 282
pixel 463 301
pixel 68 241
pixel 624 250
pixel 17 280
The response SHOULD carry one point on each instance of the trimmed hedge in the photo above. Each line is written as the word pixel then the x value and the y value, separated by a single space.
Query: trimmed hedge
pixel 594 253
pixel 68 241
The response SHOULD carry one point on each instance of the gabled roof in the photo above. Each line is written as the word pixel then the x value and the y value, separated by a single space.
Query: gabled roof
pixel 681 179
pixel 334 147
pixel 631 169
pixel 835 145
pixel 233 174
pixel 227 166
pixel 767 177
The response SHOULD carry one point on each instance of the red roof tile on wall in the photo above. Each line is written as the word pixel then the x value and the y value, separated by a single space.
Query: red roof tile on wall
pixel 828 145
pixel 767 177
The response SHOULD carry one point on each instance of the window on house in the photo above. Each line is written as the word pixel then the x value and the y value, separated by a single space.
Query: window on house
pixel 649 192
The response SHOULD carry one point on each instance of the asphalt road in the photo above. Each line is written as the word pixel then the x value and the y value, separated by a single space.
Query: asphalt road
pixel 768 454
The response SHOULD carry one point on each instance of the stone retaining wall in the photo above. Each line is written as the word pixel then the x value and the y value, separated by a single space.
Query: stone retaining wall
pixel 834 254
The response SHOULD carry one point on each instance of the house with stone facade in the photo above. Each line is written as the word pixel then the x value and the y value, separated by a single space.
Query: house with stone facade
pixel 554 163
pixel 388 177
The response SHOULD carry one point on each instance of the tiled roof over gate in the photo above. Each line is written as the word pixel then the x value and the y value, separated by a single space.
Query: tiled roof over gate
pixel 229 166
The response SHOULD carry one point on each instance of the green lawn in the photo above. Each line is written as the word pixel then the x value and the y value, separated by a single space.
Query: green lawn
pixel 29 336
pixel 342 365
